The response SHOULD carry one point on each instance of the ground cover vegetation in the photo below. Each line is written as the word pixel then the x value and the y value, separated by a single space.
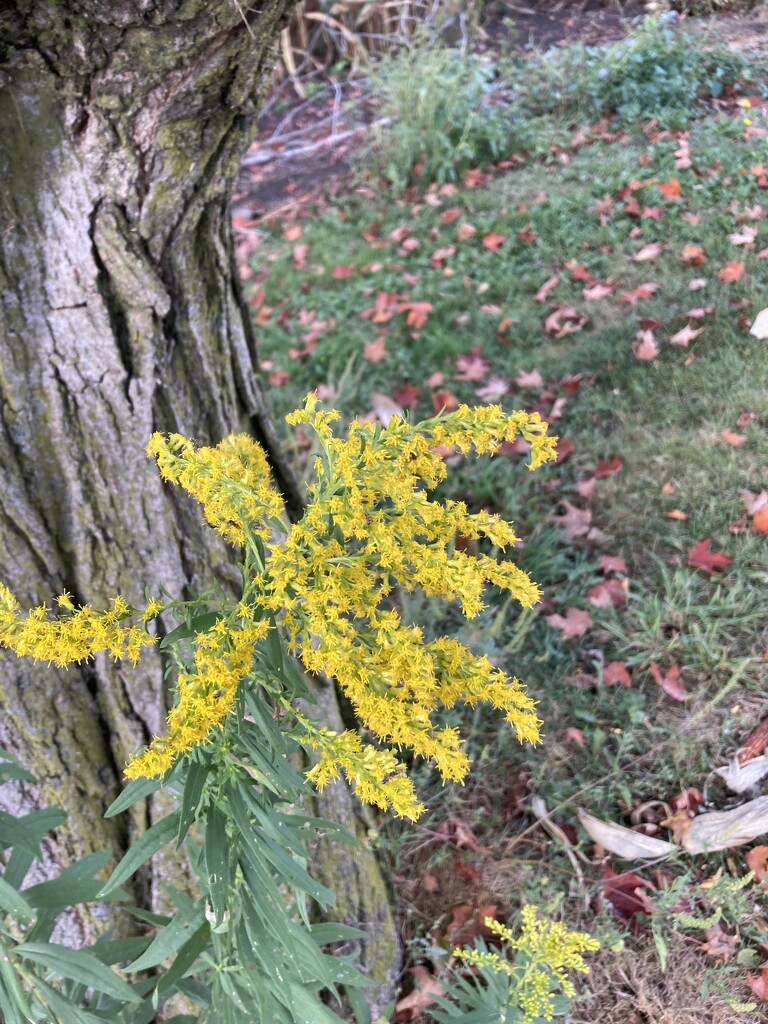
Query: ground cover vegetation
pixel 605 269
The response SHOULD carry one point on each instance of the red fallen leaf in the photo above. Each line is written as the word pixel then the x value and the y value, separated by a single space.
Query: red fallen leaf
pixel 426 989
pixel 605 469
pixel 693 255
pixel 759 983
pixel 450 215
pixel 643 291
pixel 564 449
pixel 646 347
pixel 409 245
pixel 472 366
pixel 375 351
pixel 632 207
pixel 417 313
pixel 745 418
pixel 575 622
pixel 617 673
pixel 670 189
pixel 648 252
pixel 732 271
pixel 406 395
pixel 543 293
pixel 624 895
pixel 712 562
pixel 342 271
pixel 686 335
pixel 279 377
pixel 612 563
pixel 578 271
pixel 493 241
pixel 757 861
pixel 689 799
pixel 670 683
pixel 526 379
pixel 527 234
pixel 574 735
pixel 468 923
pixel 471 874
pixel 654 212
pixel 445 400
pixel 371 233
pixel 608 594
pixel 760 521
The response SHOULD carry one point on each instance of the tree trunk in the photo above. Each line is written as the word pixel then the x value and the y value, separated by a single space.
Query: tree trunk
pixel 122 128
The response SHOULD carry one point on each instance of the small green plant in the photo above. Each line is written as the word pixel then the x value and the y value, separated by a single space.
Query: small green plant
pixel 660 71
pixel 442 113
pixel 525 982
pixel 246 946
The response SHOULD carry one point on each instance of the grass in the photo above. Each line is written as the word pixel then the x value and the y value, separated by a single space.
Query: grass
pixel 664 420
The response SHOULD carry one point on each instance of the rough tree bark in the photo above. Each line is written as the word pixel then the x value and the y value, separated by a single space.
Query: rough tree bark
pixel 122 125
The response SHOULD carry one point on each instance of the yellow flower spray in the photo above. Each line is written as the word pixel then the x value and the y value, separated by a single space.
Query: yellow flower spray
pixel 326 584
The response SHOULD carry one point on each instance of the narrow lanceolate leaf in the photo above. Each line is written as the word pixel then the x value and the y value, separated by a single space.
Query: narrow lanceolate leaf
pixel 136 790
pixel 79 966
pixel 217 859
pixel 169 939
pixel 12 902
pixel 154 839
pixel 193 790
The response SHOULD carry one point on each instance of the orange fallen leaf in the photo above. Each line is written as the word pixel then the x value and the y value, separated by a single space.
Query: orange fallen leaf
pixel 731 272
pixel 759 983
pixel 676 513
pixel 732 438
pixel 670 682
pixel 670 189
pixel 617 673
pixel 493 241
pixel 693 255
pixel 757 861
pixel 760 521
pixel 712 562
pixel 643 291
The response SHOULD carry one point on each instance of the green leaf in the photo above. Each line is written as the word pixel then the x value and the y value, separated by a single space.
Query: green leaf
pixel 113 951
pixel 169 939
pixel 190 801
pixel 77 965
pixel 154 839
pixel 12 902
pixel 61 892
pixel 66 1012
pixel 187 630
pixel 217 862
pixel 137 789
pixel 307 1009
pixel 29 830
pixel 13 1002
pixel 186 957
pixel 327 932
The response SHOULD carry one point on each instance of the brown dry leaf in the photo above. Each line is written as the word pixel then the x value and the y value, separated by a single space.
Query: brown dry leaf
pixel 526 379
pixel 719 943
pixel 757 861
pixel 624 842
pixel 543 293
pixel 493 241
pixel 575 623
pixel 576 521
pixel 693 255
pixel 444 400
pixel 754 503
pixel 565 320
pixel 608 594
pixel 670 682
pixel 678 824
pixel 759 983
pixel 616 673
pixel 612 563
pixel 722 830
pixel 646 347
pixel 648 252
pixel 732 438
pixel 686 335
pixel 426 989
pixel 429 882
pixel 465 231
pixel 597 291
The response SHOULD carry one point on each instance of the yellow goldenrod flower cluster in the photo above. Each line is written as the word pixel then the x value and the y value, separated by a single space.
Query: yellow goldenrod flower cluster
pixel 74 635
pixel 223 658
pixel 545 951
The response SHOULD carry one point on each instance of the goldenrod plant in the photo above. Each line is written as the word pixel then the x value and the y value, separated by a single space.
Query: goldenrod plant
pixel 322 595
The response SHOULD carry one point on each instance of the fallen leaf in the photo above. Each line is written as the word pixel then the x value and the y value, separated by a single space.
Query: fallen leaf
pixel 721 830
pixel 465 231
pixel 676 513
pixel 445 401
pixel 597 291
pixel 612 563
pixel 648 252
pixel 406 395
pixel 471 366
pixel 278 378
pixel 300 256
pixel 292 232
pixel 760 521
pixel 643 291
pixel 646 347
pixel 343 271
pixel 670 189
pixel 543 293
pixel 746 236
pixel 625 894
pixel 739 777
pixel 670 682
pixel 700 557
pixel 616 673
pixel 493 241
pixel 375 351
pixel 574 735
pixel 384 407
pixel 754 503
pixel 576 521
pixel 610 593
pixel 527 234
pixel 495 389
pixel 624 842
pixel 686 335
pixel 745 418
pixel 526 379
pixel 578 271
pixel 426 989
pixel 732 438
pixel 732 271
pixel 564 320
pixel 759 328
pixel 693 255
pixel 697 283
pixel 450 215
pixel 563 449
pixel 683 156
pixel 668 488
pixel 609 468
pixel 757 861
pixel 719 943
pixel 575 623
pixel 759 983
pixel 417 313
